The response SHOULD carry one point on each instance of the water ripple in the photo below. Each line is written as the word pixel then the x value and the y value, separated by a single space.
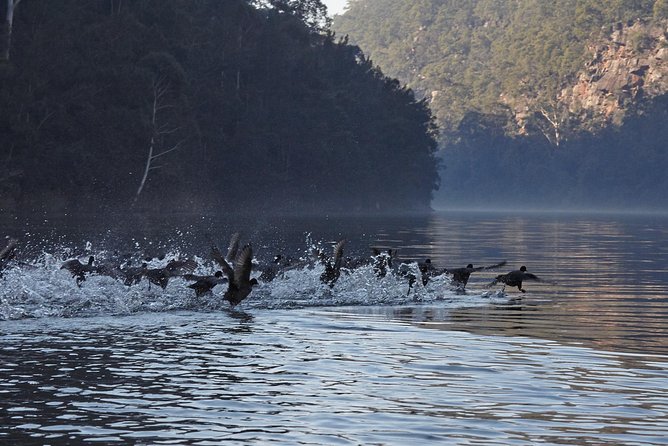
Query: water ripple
pixel 195 378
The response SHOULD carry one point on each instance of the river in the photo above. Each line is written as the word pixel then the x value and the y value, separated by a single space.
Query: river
pixel 580 358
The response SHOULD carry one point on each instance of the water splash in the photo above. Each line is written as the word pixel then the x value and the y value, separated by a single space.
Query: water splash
pixel 40 289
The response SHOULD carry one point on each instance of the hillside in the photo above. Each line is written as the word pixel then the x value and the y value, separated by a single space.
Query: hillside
pixel 207 106
pixel 540 104
pixel 545 66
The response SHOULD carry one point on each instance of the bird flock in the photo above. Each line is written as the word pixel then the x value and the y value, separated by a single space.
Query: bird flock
pixel 237 265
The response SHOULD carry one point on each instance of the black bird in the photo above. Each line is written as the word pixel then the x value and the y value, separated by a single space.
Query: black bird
pixel 111 267
pixel 133 274
pixel 460 276
pixel 427 271
pixel 239 283
pixel 7 253
pixel 270 272
pixel 382 261
pixel 180 267
pixel 157 276
pixel 109 270
pixel 333 265
pixel 515 278
pixel 405 270
pixel 174 268
pixel 78 269
pixel 204 284
pixel 233 248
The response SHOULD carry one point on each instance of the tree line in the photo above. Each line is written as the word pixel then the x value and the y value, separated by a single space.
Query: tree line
pixel 203 105
pixel 484 55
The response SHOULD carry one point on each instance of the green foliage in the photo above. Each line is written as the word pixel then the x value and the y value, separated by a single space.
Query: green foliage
pixel 660 9
pixel 311 12
pixel 264 110
pixel 640 40
pixel 465 55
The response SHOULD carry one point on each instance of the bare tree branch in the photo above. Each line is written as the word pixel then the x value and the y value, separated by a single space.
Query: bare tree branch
pixel 176 147
pixel 160 88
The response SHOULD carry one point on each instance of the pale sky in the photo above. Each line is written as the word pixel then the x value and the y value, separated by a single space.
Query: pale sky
pixel 335 6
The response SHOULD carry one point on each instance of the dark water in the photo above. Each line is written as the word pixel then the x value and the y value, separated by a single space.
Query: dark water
pixel 579 359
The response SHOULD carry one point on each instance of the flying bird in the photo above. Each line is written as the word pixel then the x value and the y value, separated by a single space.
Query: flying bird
pixel 239 283
pixel 515 278
pixel 333 265
pixel 78 269
pixel 382 261
pixel 174 268
pixel 204 284
pixel 427 271
pixel 460 276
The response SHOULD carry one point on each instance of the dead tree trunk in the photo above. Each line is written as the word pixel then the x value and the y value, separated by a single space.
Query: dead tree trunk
pixel 7 32
pixel 553 137
pixel 160 91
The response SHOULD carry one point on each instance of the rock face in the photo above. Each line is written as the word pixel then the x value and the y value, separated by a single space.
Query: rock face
pixel 631 64
pixel 627 66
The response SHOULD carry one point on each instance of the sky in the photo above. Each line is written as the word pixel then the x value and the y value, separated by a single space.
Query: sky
pixel 335 6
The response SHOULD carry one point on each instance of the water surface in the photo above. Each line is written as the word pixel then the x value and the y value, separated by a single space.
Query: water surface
pixel 581 358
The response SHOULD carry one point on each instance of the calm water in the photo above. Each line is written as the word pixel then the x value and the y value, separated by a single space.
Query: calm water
pixel 581 359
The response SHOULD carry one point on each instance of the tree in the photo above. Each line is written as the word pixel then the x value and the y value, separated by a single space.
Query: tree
pixel 217 104
pixel 165 126
pixel 482 54
pixel 9 23
pixel 660 9
pixel 312 12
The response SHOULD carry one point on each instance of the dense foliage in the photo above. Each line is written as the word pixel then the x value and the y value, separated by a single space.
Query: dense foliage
pixel 476 55
pixel 232 105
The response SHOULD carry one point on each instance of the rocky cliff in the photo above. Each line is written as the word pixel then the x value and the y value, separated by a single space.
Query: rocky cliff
pixel 625 67
pixel 628 65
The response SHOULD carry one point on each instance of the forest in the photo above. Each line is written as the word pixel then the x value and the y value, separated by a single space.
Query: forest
pixel 202 106
pixel 478 62
pixel 478 55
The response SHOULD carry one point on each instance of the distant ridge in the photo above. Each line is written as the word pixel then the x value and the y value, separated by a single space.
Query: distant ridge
pixel 551 67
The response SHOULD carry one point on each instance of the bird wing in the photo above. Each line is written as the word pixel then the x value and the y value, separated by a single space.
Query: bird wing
pixel 108 269
pixel 7 251
pixel 497 265
pixel 72 265
pixel 180 267
pixel 233 248
pixel 316 255
pixel 337 254
pixel 529 276
pixel 243 264
pixel 218 257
